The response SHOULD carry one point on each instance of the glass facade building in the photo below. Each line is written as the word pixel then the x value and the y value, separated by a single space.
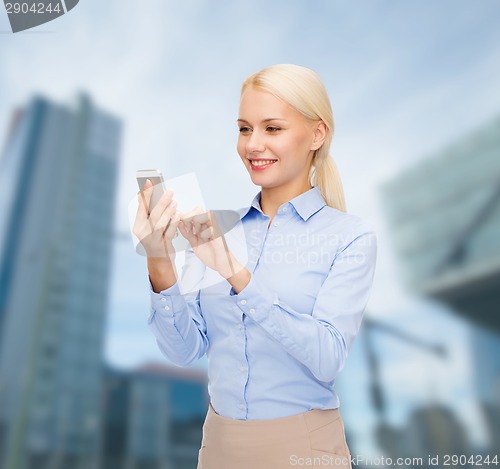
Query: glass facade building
pixel 58 177
pixel 153 417
pixel 444 219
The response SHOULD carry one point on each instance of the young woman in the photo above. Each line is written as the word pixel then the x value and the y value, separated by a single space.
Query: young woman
pixel 277 331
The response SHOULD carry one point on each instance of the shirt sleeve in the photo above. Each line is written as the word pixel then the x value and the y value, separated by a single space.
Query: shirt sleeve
pixel 320 341
pixel 177 322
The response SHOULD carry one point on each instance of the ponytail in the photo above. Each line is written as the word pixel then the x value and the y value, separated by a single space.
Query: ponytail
pixel 325 175
pixel 324 172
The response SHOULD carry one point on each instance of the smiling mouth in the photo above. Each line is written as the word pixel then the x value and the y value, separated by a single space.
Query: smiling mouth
pixel 261 164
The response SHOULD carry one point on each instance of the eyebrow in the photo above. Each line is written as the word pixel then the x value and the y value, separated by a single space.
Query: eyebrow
pixel 265 120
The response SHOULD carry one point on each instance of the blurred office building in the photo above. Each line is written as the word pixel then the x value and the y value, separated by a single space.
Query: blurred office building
pixel 153 417
pixel 486 349
pixel 435 430
pixel 58 177
pixel 444 216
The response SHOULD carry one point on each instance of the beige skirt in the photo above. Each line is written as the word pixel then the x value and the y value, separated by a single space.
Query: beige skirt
pixel 312 438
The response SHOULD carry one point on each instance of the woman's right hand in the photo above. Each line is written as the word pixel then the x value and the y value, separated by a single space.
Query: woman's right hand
pixel 157 229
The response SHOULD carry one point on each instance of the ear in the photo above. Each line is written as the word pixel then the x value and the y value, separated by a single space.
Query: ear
pixel 320 131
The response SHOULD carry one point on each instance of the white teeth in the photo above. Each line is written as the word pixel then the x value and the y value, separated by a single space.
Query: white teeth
pixel 262 162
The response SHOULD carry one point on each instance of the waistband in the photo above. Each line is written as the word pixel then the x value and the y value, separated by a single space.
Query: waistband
pixel 313 419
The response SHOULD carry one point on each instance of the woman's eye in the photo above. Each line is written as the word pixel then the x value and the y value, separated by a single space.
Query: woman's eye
pixel 272 129
pixel 244 129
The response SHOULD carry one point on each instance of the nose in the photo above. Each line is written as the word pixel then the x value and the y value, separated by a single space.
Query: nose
pixel 255 142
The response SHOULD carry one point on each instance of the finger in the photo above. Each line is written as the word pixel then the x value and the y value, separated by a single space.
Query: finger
pixel 142 208
pixel 147 184
pixel 188 216
pixel 217 232
pixel 201 230
pixel 201 218
pixel 198 227
pixel 187 233
pixel 141 213
pixel 147 192
pixel 163 203
pixel 207 234
pixel 185 223
pixel 166 216
pixel 183 229
pixel 172 227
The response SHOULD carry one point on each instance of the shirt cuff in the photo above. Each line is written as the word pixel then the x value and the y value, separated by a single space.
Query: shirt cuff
pixel 167 302
pixel 255 300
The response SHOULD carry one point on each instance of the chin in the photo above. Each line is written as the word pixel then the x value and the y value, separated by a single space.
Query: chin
pixel 265 184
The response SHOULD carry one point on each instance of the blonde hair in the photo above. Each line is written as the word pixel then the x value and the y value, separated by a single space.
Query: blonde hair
pixel 303 89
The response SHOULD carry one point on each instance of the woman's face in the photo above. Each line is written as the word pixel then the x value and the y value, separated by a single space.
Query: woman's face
pixel 276 143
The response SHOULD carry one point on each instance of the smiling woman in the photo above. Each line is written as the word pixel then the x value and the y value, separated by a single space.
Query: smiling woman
pixel 277 331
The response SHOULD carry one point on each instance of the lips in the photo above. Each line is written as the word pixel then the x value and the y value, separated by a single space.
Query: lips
pixel 261 163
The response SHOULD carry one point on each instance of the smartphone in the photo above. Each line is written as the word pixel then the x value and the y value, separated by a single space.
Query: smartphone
pixel 156 177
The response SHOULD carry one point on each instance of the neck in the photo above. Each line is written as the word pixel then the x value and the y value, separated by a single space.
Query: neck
pixel 272 197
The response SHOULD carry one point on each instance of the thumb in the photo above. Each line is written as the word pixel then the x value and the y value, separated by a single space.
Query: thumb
pixel 186 232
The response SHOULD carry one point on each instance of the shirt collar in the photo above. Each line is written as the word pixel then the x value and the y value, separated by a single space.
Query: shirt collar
pixel 305 204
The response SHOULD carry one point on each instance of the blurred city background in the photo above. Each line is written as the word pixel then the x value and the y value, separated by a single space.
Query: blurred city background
pixel 112 87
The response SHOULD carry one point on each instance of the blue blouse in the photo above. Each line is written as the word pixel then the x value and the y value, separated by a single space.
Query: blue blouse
pixel 275 348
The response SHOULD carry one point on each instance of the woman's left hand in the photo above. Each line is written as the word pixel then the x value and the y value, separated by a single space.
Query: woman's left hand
pixel 208 243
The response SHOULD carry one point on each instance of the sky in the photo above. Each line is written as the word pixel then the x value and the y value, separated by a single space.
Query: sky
pixel 405 80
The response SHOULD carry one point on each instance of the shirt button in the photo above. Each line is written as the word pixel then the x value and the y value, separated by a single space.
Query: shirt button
pixel 242 406
pixel 243 302
pixel 285 209
pixel 252 311
pixel 163 299
pixel 240 327
pixel 167 308
pixel 276 223
pixel 242 368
